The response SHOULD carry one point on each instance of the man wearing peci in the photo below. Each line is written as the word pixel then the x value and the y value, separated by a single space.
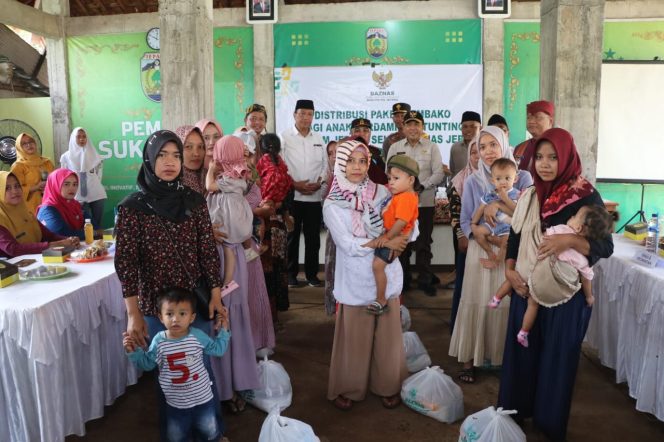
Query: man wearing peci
pixel 432 172
pixel 304 152
pixel 539 119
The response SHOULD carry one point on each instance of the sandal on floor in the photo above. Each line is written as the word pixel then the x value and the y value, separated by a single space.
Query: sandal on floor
pixel 467 375
pixel 376 308
pixel 236 405
pixel 343 403
pixel 390 402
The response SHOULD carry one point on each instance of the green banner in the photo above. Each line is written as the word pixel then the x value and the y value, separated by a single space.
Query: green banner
pixel 634 40
pixel 115 90
pixel 522 65
pixel 379 42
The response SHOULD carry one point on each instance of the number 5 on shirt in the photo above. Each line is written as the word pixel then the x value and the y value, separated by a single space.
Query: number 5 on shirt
pixel 172 359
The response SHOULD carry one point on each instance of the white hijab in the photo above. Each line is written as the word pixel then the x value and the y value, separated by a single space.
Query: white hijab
pixel 82 159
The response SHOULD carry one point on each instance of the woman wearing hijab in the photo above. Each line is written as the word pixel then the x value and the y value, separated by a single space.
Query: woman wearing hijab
pixel 194 157
pixel 83 159
pixel 538 381
pixel 479 333
pixel 164 239
pixel 368 352
pixel 459 240
pixel 20 232
pixel 31 170
pixel 212 133
pixel 59 210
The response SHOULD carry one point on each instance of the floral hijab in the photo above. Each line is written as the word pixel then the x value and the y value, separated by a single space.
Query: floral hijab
pixel 358 197
pixel 568 186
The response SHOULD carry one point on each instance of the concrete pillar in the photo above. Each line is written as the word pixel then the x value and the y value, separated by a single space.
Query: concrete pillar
pixel 494 69
pixel 58 77
pixel 187 78
pixel 264 70
pixel 571 70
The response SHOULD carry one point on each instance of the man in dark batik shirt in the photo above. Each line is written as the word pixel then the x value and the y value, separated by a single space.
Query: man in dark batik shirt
pixel 398 112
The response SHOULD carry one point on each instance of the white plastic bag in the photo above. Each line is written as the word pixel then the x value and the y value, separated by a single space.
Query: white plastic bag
pixel 405 318
pixel 277 428
pixel 434 394
pixel 276 390
pixel 417 357
pixel 491 425
pixel 473 426
pixel 502 428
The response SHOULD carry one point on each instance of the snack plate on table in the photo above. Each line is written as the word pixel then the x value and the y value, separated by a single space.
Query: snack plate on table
pixel 84 260
pixel 43 273
pixel 96 251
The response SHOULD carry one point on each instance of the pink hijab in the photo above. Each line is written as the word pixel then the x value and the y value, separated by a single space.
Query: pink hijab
pixel 70 210
pixel 228 155
pixel 460 177
pixel 202 124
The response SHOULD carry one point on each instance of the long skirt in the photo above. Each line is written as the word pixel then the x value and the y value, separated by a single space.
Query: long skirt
pixel 236 370
pixel 538 381
pixel 262 328
pixel 367 353
pixel 479 331
pixel 275 264
pixel 330 263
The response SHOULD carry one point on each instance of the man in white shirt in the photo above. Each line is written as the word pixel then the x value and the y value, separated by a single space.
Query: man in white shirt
pixel 304 153
pixel 432 172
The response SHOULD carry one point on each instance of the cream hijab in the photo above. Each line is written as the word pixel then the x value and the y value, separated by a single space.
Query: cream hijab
pixel 20 222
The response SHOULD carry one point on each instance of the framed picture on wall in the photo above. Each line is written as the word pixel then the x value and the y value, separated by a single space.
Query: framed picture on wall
pixel 262 11
pixel 494 8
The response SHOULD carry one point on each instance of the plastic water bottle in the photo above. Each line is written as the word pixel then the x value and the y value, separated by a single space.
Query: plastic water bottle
pixel 653 234
pixel 89 231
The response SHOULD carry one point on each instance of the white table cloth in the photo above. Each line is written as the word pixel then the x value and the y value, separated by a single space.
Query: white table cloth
pixel 61 354
pixel 627 324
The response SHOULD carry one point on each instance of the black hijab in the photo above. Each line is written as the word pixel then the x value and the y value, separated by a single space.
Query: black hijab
pixel 168 199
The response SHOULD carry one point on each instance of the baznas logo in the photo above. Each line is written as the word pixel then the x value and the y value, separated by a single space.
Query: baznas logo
pixel 151 76
pixel 382 79
pixel 376 42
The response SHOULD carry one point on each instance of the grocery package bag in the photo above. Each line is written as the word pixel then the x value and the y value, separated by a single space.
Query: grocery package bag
pixel 434 394
pixel 417 357
pixel 502 428
pixel 277 428
pixel 491 425
pixel 405 318
pixel 276 390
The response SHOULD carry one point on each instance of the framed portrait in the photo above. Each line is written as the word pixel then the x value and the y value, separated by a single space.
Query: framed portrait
pixel 494 8
pixel 262 11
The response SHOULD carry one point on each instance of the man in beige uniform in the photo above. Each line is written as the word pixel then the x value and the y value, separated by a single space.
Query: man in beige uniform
pixel 399 111
pixel 427 155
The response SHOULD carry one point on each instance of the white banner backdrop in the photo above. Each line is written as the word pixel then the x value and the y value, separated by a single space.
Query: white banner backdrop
pixel 441 92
